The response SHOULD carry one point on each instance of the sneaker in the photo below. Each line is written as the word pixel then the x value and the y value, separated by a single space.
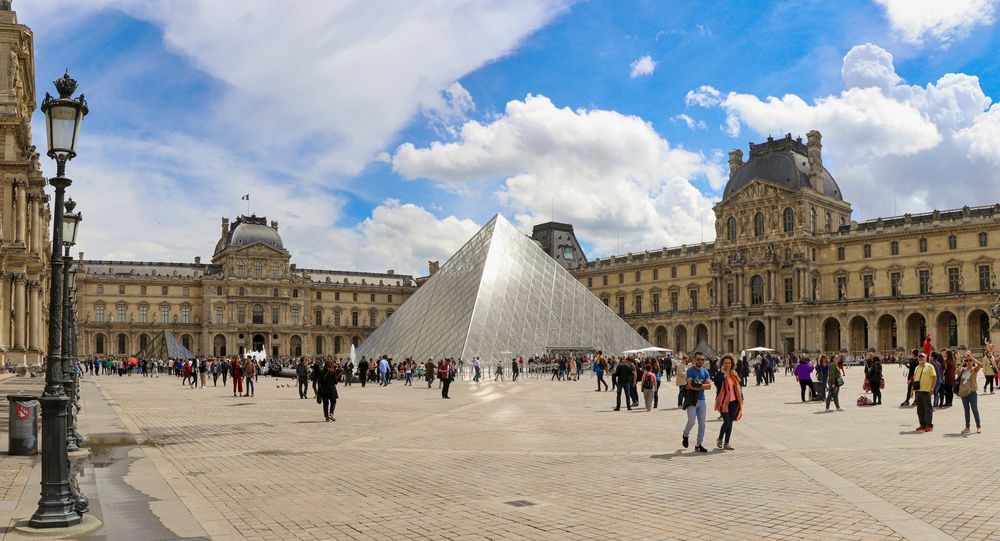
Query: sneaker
pixel 684 441
pixel 965 431
pixel 700 449
pixel 904 403
pixel 929 429
pixel 728 447
pixel 921 429
pixel 979 430
pixel 718 443
pixel 618 409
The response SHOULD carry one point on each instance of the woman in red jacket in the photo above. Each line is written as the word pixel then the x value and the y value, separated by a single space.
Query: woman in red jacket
pixel 236 371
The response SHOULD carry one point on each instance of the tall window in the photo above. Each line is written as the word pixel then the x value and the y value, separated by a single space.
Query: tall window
pixel 789 289
pixel 295 293
pixel 983 240
pixel 656 274
pixel 925 281
pixel 258 314
pixel 336 295
pixel 186 292
pixel 319 317
pixel 729 294
pixel 868 281
pixel 867 250
pixel 218 315
pixel 606 301
pixel 693 299
pixel 828 223
pixel 99 313
pixel 319 345
pixel 694 269
pixel 789 220
pixel 812 219
pixel 758 224
pixel 372 317
pixel 142 290
pixel 336 318
pixel 242 292
pixel 121 313
pixel 922 245
pixel 275 315
pixel 731 228
pixel 756 290
pixel 952 242
pixel 100 290
pixel 143 314
pixel 984 278
pixel 274 292
pixel 164 291
pixel 388 298
pixel 241 314
pixel 258 270
pixel 654 300
pixel 218 290
pixel 241 269
pixel 896 280
pixel 840 253
pixel 841 287
pixel 295 315
pixel 99 344
pixel 673 301
pixel 590 281
pixel 319 295
pixel 121 344
pixel 121 290
pixel 604 280
pixel 372 297
pixel 954 282
pixel 164 313
pixel 638 276
pixel 185 314
pixel 637 307
pixel 621 305
pixel 274 270
pixel 894 247
pixel 621 277
pixel 673 272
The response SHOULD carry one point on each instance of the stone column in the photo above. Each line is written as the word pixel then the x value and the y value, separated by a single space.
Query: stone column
pixel 21 213
pixel 19 310
pixel 5 287
pixel 37 226
pixel 33 316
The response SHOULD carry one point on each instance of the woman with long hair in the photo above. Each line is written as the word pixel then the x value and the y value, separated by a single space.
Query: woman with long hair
pixel 874 375
pixel 326 390
pixel 950 370
pixel 728 400
pixel 968 389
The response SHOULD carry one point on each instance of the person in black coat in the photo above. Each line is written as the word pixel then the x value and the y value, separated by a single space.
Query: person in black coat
pixel 326 389
pixel 302 375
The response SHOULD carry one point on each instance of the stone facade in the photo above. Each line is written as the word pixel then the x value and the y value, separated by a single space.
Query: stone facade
pixel 250 297
pixel 790 270
pixel 24 206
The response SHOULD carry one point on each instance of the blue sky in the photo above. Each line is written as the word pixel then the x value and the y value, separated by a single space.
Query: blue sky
pixel 381 134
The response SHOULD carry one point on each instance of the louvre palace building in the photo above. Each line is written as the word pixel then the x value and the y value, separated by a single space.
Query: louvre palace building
pixel 790 270
pixel 250 297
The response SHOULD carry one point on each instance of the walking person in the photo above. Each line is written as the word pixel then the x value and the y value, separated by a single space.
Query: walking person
pixel 911 367
pixel 302 376
pixel 477 368
pixel 625 376
pixel 803 373
pixel 326 391
pixel 362 371
pixel 968 388
pixel 202 373
pixel 698 380
pixel 648 386
pixel 600 366
pixel 728 401
pixel 822 373
pixel 429 372
pixel 937 362
pixel 250 374
pixel 874 375
pixel 446 373
pixel 834 381
pixel 515 370
pixel 950 372
pixel 680 377
pixel 990 369
pixel 924 382
pixel 237 374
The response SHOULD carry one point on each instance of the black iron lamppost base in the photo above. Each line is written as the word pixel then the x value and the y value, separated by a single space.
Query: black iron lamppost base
pixel 56 508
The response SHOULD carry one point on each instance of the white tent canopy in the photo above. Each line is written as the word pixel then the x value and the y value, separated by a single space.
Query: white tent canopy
pixel 654 349
pixel 762 349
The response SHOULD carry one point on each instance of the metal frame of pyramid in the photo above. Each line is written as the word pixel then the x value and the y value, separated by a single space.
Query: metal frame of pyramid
pixel 165 346
pixel 498 297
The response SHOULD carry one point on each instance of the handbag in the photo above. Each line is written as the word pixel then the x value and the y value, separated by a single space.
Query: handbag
pixel 881 383
pixel 866 386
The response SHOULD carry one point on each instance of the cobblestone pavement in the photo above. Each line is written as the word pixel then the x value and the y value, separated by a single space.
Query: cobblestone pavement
pixel 544 460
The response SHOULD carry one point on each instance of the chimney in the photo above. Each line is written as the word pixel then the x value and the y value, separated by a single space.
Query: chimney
pixel 225 226
pixel 390 272
pixel 432 267
pixel 81 256
pixel 735 161
pixel 274 225
pixel 197 260
pixel 815 160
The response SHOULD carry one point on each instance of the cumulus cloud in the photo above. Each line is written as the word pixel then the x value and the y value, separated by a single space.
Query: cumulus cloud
pixel 914 21
pixel 645 65
pixel 885 138
pixel 689 122
pixel 703 96
pixel 447 110
pixel 389 236
pixel 602 171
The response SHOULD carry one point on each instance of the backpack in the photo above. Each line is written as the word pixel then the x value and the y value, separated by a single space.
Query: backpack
pixel 647 382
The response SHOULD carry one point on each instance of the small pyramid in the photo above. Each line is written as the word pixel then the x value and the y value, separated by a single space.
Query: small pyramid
pixel 498 297
pixel 165 346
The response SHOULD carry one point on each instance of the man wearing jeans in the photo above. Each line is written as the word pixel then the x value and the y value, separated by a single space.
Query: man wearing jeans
pixel 697 380
pixel 924 378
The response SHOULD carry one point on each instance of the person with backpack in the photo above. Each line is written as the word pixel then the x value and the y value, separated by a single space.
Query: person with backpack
pixel 600 366
pixel 648 385
pixel 968 388
pixel 990 370
pixel 728 400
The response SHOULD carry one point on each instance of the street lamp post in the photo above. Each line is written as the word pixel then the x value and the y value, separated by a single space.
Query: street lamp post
pixel 56 508
pixel 71 221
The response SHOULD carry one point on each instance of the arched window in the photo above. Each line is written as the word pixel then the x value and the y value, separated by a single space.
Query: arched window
pixel 258 314
pixel 319 345
pixel 274 292
pixel 336 345
pixel 758 224
pixel 829 223
pixel 731 228
pixel 121 344
pixel 789 220
pixel 812 219
pixel 258 269
pixel 756 290
pixel 99 344
pixel 242 292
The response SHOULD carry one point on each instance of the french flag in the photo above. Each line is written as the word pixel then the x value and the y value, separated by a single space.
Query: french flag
pixel 245 197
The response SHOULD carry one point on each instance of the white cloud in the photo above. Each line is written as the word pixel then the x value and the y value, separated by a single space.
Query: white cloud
pixel 929 146
pixel 602 171
pixel 689 122
pixel 333 80
pixel 941 20
pixel 408 236
pixel 703 96
pixel 447 110
pixel 645 65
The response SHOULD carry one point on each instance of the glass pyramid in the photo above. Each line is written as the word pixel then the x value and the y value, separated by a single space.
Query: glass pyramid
pixel 498 297
pixel 164 346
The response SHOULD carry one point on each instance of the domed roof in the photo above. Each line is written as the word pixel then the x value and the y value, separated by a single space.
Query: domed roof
pixel 783 163
pixel 248 230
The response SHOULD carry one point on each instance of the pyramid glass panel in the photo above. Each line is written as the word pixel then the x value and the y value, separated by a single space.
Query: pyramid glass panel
pixel 500 296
